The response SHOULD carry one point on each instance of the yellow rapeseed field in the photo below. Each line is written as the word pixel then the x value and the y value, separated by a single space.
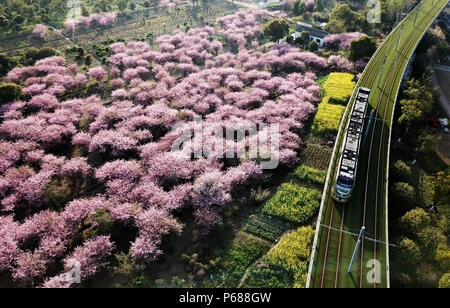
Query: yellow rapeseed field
pixel 338 87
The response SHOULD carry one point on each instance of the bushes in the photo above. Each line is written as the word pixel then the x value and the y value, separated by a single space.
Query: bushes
pixel 9 92
pixel 415 220
pixel 309 175
pixel 404 193
pixel 444 283
pixel 402 171
pixel 408 251
pixel 268 277
pixel 293 203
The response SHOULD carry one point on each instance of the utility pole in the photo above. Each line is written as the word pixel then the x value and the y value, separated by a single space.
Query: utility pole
pixel 355 252
pixel 398 41
pixel 382 69
pixel 417 14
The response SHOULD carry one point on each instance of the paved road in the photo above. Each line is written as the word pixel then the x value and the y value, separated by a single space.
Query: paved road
pixel 339 225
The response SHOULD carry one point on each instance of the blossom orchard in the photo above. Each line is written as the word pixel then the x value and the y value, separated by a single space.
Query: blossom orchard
pixel 253 142
pixel 133 148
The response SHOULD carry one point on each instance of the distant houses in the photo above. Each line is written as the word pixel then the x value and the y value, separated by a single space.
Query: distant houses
pixel 314 34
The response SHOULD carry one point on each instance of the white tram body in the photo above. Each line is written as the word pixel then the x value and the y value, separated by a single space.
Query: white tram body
pixel 348 161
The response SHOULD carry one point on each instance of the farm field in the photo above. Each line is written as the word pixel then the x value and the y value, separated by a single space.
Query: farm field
pixel 337 89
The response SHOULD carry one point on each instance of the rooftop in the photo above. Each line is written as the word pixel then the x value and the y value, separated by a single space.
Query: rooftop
pixel 313 31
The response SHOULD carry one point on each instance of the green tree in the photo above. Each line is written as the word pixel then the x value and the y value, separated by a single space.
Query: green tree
pixel 101 224
pixel 276 29
pixel 298 7
pixel 362 48
pixel 444 283
pixel 342 18
pixel 414 221
pixel 443 257
pixel 408 252
pixel 404 193
pixel 122 5
pixel 305 37
pixel 313 46
pixel 84 11
pixel 402 171
pixel 18 21
pixel 3 21
pixel 419 90
pixel 9 92
pixel 80 53
pixel 289 39
pixel 45 52
pixel 5 64
pixel 127 266
pixel 411 112
pixel 428 144
pixel 88 60
pixel 318 6
pixel 429 240
pixel 132 6
pixel 141 282
pixel 335 26
pixel 441 188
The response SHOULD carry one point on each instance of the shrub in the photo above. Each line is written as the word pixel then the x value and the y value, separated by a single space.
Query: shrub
pixel 404 193
pixel 415 220
pixel 408 251
pixel 444 283
pixel 9 92
pixel 402 171
pixel 309 175
pixel 263 276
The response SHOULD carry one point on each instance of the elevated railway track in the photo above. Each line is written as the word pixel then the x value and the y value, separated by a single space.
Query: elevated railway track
pixel 338 225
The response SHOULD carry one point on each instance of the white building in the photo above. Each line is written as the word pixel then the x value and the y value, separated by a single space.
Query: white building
pixel 314 34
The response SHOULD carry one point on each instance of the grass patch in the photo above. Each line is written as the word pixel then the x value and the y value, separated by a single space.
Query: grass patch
pixel 309 175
